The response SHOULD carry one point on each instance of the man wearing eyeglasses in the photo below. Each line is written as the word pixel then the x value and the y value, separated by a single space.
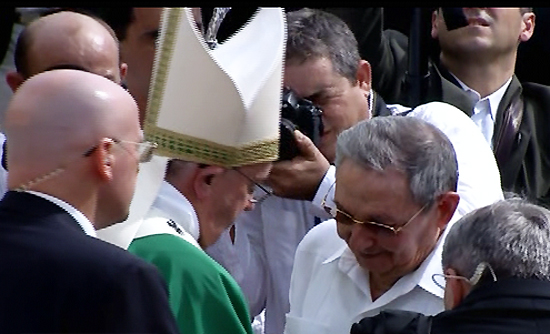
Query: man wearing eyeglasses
pixel 496 276
pixel 73 156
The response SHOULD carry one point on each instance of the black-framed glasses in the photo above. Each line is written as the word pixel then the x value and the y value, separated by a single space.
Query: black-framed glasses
pixel 264 196
pixel 439 279
pixel 347 219
pixel 145 149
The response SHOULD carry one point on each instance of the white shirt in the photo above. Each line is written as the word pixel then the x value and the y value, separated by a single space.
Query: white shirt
pixel 261 258
pixel 178 208
pixel 84 222
pixel 485 109
pixel 272 231
pixel 330 291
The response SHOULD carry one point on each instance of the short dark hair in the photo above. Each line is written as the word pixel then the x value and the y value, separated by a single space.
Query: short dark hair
pixel 314 33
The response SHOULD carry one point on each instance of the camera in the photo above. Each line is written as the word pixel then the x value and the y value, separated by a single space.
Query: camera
pixel 297 114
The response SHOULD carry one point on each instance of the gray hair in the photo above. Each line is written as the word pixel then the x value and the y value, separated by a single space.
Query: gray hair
pixel 512 235
pixel 313 33
pixel 408 144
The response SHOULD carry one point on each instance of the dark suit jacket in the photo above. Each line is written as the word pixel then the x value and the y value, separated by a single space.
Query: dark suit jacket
pixel 527 170
pixel 508 306
pixel 56 279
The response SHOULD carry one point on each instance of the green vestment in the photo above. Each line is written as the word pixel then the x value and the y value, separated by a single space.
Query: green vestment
pixel 204 297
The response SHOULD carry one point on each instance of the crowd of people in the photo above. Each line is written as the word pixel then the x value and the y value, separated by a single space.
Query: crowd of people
pixel 143 190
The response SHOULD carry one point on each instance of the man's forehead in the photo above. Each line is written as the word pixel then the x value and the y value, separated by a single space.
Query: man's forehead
pixel 147 17
pixel 312 77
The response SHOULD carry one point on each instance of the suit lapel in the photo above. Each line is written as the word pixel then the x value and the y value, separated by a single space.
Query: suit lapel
pixel 452 93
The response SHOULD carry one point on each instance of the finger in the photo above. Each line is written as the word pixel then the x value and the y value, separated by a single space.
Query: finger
pixel 305 145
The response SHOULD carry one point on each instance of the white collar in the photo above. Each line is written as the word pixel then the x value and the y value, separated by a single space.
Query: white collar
pixel 176 206
pixel 493 98
pixel 84 222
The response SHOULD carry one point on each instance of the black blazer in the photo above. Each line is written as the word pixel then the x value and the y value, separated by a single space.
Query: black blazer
pixel 56 279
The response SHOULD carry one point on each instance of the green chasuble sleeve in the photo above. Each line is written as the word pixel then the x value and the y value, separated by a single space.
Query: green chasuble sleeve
pixel 204 297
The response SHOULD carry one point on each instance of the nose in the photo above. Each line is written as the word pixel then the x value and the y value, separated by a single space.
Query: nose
pixel 361 237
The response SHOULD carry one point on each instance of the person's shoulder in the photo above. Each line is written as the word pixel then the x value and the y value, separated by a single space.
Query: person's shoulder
pixel 99 253
pixel 442 114
pixel 177 253
pixel 537 95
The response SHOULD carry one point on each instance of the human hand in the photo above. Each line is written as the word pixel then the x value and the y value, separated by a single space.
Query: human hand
pixel 300 177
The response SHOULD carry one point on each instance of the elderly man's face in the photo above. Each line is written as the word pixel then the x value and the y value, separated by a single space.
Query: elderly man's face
pixel 343 103
pixel 383 197
pixel 489 31
pixel 231 194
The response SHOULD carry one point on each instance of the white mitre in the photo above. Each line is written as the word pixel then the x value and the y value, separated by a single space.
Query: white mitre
pixel 217 106
pixel 221 106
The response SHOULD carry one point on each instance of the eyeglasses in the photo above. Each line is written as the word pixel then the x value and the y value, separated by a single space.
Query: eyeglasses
pixel 263 197
pixel 145 149
pixel 480 269
pixel 347 219
pixel 145 153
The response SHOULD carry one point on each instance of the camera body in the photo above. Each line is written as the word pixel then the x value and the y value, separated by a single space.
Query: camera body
pixel 297 114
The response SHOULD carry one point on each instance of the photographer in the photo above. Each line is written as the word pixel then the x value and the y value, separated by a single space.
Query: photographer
pixel 261 253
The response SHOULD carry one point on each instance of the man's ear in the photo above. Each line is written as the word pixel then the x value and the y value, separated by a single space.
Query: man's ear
pixel 103 159
pixel 435 28
pixel 446 207
pixel 364 76
pixel 14 80
pixel 528 27
pixel 123 71
pixel 455 290
pixel 203 180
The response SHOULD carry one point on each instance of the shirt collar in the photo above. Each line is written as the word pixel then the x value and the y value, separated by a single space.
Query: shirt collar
pixel 84 222
pixel 178 207
pixel 494 98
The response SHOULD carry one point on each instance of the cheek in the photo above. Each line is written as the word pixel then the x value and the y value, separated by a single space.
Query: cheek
pixel 343 231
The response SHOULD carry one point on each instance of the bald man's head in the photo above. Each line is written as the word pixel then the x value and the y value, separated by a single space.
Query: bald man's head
pixel 75 121
pixel 66 40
